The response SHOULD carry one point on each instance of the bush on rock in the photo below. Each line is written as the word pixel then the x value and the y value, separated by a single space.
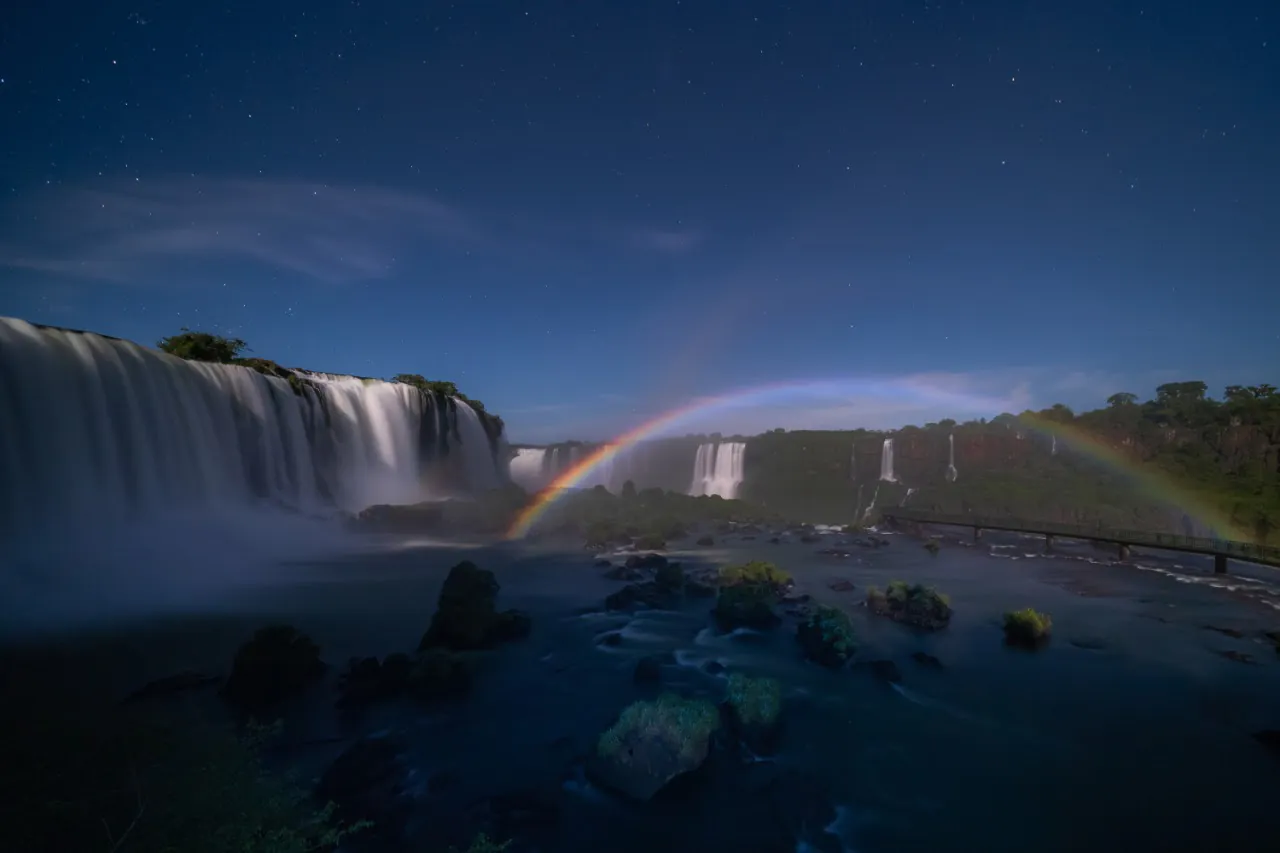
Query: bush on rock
pixel 754 708
pixel 757 573
pixel 746 606
pixel 826 637
pixel 653 742
pixel 466 616
pixel 277 663
pixel 1027 628
pixel 921 606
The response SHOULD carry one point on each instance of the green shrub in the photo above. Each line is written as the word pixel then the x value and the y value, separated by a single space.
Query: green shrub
pixel 756 572
pixel 827 637
pixel 756 701
pixel 684 724
pixel 483 844
pixel 1027 627
pixel 914 604
pixel 120 780
pixel 202 346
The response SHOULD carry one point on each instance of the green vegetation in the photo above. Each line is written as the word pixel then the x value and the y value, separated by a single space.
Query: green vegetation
pixel 1221 451
pixel 756 701
pixel 827 637
pixel 686 725
pixel 913 604
pixel 1027 627
pixel 123 780
pixel 651 516
pixel 483 844
pixel 932 547
pixel 206 346
pixel 746 605
pixel 756 572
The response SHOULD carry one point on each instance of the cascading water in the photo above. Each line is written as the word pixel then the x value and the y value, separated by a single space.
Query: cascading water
pixel 528 468
pixel 853 463
pixel 952 473
pixel 871 506
pixel 886 462
pixel 99 428
pixel 907 497
pixel 1053 448
pixel 718 469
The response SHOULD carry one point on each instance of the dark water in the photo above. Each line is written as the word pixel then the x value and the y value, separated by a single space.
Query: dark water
pixel 1129 732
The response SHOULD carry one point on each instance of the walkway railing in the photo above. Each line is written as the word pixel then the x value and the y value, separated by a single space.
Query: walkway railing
pixel 1197 544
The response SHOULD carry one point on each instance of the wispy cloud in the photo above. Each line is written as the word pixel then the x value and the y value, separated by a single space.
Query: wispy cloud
pixel 332 234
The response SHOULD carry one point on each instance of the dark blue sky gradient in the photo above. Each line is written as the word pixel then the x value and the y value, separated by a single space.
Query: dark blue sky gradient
pixel 584 213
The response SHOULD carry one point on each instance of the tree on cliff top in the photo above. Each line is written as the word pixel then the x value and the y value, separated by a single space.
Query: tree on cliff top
pixel 203 346
pixel 1122 398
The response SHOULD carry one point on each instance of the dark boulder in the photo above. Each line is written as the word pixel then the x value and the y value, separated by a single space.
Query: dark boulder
pixel 277 663
pixel 466 616
pixel 369 782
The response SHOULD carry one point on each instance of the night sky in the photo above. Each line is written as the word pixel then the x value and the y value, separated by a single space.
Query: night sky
pixel 584 213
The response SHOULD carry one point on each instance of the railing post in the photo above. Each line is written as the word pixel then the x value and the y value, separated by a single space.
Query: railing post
pixel 1219 564
pixel 977 534
pixel 1124 551
pixel 1048 542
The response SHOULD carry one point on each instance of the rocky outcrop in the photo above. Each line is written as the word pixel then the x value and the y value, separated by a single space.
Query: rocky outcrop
pixel 466 616
pixel 277 663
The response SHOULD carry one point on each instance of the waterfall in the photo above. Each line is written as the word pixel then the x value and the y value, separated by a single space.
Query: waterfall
pixel 952 473
pixel 886 462
pixel 1053 448
pixel 528 469
pixel 874 495
pixel 717 469
pixel 909 493
pixel 103 430
pixel 853 463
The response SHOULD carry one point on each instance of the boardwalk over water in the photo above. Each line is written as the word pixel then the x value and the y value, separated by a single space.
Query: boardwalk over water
pixel 1220 549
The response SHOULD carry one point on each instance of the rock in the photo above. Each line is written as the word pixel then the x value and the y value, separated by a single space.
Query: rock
pixel 793 600
pixel 916 605
pixel 602 563
pixel 774 540
pixel 369 781
pixel 746 606
pixel 698 589
pixel 826 637
pixel 649 668
pixel 840 585
pixel 1238 657
pixel 635 595
pixel 885 670
pixel 277 663
pixel 809 539
pixel 531 816
pixel 645 561
pixel 466 617
pixel 652 743
pixel 670 577
pixel 753 712
pixel 622 573
pixel 713 667
pixel 171 685
pixel 926 660
pixel 1270 738
pixel 1230 632
pixel 706 542
pixel 612 639
pixel 438 674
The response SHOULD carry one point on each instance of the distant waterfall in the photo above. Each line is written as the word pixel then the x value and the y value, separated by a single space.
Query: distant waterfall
pixel 952 473
pixel 853 463
pixel 905 497
pixel 99 429
pixel 717 469
pixel 528 468
pixel 886 462
pixel 874 495
pixel 1053 448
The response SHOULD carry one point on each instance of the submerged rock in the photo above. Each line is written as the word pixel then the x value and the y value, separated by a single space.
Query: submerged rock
pixel 840 585
pixel 649 668
pixel 433 674
pixel 928 661
pixel 652 743
pixel 277 663
pixel 706 542
pixel 634 595
pixel 646 561
pixel 885 670
pixel 466 616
